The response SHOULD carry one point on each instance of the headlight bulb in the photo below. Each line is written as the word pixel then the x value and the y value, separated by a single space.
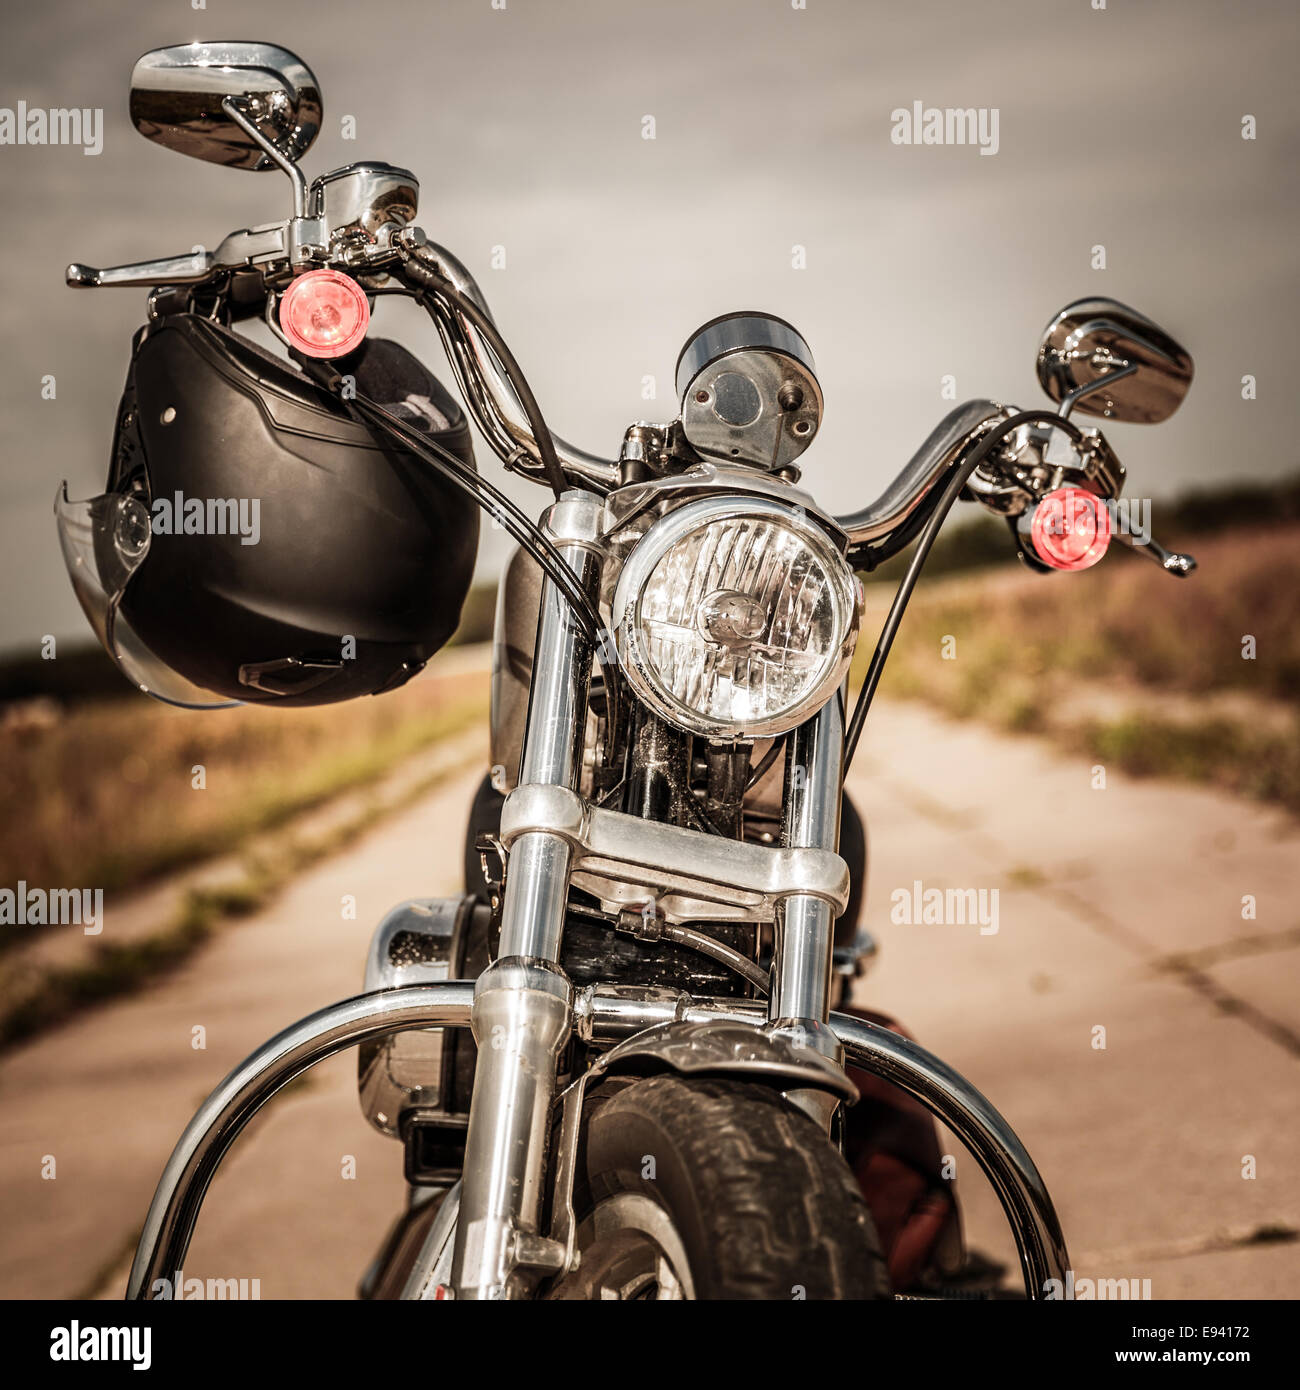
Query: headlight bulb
pixel 736 617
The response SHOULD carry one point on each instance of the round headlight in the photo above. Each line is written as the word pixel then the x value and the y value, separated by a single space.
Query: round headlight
pixel 736 617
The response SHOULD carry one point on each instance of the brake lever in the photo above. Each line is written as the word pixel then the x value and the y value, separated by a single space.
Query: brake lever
pixel 240 250
pixel 1170 561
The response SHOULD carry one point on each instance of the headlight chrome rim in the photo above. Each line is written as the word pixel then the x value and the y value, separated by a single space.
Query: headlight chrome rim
pixel 655 545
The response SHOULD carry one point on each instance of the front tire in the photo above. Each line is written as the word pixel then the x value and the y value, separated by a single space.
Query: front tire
pixel 713 1188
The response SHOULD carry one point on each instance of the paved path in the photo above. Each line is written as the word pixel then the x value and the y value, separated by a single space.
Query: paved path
pixel 1142 1143
pixel 108 1094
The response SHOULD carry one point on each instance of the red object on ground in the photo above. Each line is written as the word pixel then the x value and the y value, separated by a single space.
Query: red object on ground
pixel 892 1146
pixel 324 313
pixel 1070 529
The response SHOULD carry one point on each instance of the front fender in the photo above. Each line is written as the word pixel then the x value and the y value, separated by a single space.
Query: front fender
pixel 725 1048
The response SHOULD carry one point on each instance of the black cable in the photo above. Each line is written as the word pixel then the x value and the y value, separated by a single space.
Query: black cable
pixel 429 279
pixel 551 466
pixel 538 544
pixel 530 536
pixel 765 764
pixel 866 558
pixel 468 479
pixel 952 488
pixel 491 499
pixel 524 530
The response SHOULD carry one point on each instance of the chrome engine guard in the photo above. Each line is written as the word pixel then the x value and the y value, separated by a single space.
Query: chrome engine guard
pixel 602 1013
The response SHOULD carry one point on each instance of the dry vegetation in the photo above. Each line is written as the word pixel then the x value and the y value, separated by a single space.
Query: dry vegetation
pixel 1125 663
pixel 102 794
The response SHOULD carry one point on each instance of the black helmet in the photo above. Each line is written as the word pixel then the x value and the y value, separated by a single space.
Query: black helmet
pixel 255 542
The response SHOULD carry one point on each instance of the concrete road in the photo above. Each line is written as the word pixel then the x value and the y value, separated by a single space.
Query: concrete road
pixel 1142 1036
pixel 1170 1149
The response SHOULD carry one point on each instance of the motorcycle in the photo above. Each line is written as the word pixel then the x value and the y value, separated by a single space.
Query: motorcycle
pixel 613 1064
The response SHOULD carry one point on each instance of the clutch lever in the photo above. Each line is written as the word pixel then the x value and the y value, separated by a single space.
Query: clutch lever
pixel 264 247
pixel 172 270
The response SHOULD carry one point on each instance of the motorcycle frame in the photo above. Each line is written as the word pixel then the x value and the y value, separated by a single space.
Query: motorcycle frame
pixel 523 1010
pixel 522 1014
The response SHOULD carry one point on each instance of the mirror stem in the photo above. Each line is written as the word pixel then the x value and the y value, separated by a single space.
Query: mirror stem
pixel 306 234
pixel 1075 396
pixel 296 175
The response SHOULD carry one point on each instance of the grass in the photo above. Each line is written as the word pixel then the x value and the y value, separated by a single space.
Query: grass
pixel 1217 751
pixel 113 970
pixel 103 794
pixel 1029 650
pixel 1127 620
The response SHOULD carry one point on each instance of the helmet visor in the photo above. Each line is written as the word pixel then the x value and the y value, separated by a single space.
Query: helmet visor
pixel 104 541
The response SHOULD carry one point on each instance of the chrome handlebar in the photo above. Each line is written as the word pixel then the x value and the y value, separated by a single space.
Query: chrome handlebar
pixel 492 399
pixel 501 418
pixel 486 388
pixel 957 431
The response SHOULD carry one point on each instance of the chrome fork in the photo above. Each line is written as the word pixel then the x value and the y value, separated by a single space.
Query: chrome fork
pixel 799 1001
pixel 523 1003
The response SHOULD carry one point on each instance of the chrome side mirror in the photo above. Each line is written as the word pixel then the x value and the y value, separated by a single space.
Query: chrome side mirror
pixel 214 100
pixel 1103 358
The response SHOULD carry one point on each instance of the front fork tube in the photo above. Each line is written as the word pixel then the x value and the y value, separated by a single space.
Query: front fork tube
pixel 799 1002
pixel 523 1003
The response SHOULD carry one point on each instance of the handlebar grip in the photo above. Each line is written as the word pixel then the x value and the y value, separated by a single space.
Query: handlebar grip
pixel 1169 560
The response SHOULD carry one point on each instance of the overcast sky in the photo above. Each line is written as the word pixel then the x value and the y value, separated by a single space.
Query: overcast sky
pixel 1118 127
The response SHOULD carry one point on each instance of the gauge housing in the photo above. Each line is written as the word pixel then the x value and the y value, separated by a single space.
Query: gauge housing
pixel 748 390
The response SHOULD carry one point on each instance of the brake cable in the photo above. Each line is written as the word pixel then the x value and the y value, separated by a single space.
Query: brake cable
pixel 764 765
pixel 538 544
pixel 429 279
pixel 530 536
pixel 957 479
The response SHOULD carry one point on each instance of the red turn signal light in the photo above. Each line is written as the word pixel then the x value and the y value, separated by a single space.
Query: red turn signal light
pixel 324 313
pixel 1069 529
